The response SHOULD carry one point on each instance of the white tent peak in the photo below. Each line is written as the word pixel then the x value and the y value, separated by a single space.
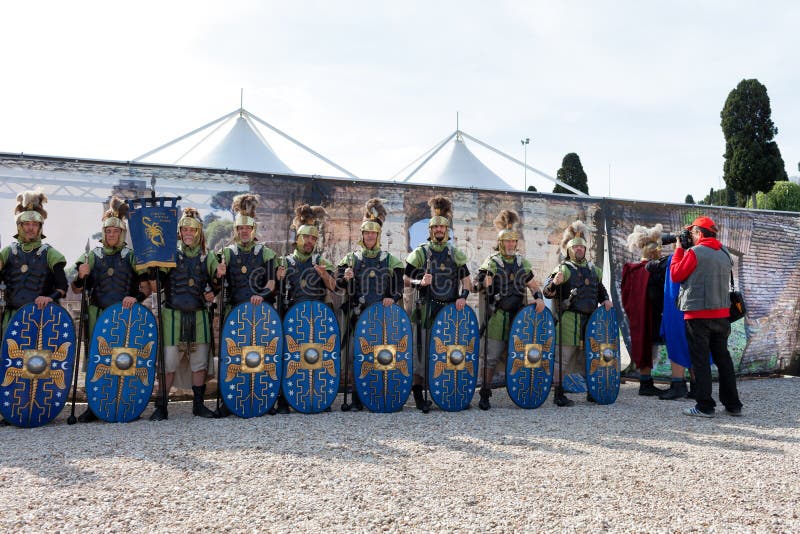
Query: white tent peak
pixel 233 142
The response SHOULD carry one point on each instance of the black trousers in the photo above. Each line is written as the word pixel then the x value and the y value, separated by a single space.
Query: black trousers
pixel 711 335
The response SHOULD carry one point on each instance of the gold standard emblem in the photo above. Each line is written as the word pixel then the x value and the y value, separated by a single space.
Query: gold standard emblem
pixel 191 282
pixel 24 268
pixel 110 271
pixel 244 269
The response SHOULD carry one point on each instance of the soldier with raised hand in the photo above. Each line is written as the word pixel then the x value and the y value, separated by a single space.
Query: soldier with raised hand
pixel 576 284
pixel 187 328
pixel 506 276
pixel 440 271
pixel 369 275
pixel 306 274
pixel 246 266
pixel 109 272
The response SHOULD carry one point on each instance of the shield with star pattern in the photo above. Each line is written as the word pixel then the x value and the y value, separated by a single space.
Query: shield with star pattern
pixel 250 372
pixel 121 366
pixel 311 360
pixel 602 356
pixel 531 354
pixel 382 357
pixel 37 362
pixel 453 358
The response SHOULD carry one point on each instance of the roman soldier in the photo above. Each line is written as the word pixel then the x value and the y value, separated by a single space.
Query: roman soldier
pixel 506 276
pixel 109 272
pixel 440 271
pixel 305 273
pixel 188 287
pixel 369 275
pixel 247 267
pixel 576 284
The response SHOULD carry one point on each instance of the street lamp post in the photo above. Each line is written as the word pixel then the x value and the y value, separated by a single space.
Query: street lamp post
pixel 525 157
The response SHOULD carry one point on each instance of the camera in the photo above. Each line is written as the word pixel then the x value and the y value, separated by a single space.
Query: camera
pixel 686 239
pixel 668 239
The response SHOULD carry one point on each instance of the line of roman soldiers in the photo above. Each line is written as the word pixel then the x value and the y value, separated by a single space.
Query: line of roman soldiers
pixel 33 271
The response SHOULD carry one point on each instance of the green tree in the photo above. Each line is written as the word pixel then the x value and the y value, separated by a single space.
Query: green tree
pixel 218 233
pixel 572 173
pixel 784 196
pixel 689 199
pixel 532 188
pixel 753 161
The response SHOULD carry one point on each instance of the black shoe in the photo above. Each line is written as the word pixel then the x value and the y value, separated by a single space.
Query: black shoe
pixel 589 398
pixel 222 411
pixel 677 390
pixel 3 422
pixel 561 400
pixel 648 389
pixel 198 406
pixel 692 394
pixel 283 405
pixel 159 414
pixel 88 416
pixel 484 403
pixel 356 405
pixel 419 400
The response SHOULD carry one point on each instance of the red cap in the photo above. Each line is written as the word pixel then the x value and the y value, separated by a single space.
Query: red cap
pixel 704 222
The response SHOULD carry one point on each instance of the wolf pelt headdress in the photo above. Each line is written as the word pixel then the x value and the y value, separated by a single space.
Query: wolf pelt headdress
pixel 30 208
pixel 374 217
pixel 576 234
pixel 507 224
pixel 307 220
pixel 645 240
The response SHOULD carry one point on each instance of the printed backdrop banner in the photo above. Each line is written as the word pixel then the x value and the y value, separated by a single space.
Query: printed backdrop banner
pixel 154 231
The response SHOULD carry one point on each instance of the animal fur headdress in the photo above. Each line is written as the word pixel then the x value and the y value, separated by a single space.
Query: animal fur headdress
pixel 244 207
pixel 30 208
pixel 191 219
pixel 374 216
pixel 644 239
pixel 114 217
pixel 507 224
pixel 441 211
pixel 307 220
pixel 576 234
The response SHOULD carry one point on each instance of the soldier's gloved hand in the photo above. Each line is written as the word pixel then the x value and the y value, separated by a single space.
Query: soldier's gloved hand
pixel 321 270
pixel 559 278
pixel 387 301
pixel 256 300
pixel 539 305
pixel 222 268
pixel 280 273
pixel 128 302
pixel 427 278
pixel 460 304
pixel 348 274
pixel 607 305
pixel 42 301
pixel 83 270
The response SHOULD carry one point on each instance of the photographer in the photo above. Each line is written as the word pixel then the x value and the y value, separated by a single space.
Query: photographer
pixel 703 270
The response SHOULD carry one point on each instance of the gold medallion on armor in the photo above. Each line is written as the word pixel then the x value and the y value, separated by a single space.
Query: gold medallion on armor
pixel 24 268
pixel 441 266
pixel 244 269
pixel 191 282
pixel 511 276
pixel 110 271
pixel 303 283
pixel 586 282
pixel 372 274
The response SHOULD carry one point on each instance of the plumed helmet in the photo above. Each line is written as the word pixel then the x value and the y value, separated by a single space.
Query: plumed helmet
pixel 191 219
pixel 575 234
pixel 441 211
pixel 244 208
pixel 374 216
pixel 30 208
pixel 507 224
pixel 307 220
pixel 645 240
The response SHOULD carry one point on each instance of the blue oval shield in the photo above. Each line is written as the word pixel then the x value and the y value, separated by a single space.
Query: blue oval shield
pixel 453 358
pixel 250 369
pixel 311 357
pixel 602 356
pixel 531 357
pixel 383 357
pixel 121 368
pixel 37 363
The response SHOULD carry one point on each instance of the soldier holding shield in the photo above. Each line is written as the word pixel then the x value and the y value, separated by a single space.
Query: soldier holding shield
pixel 247 267
pixel 109 272
pixel 577 286
pixel 370 274
pixel 440 270
pixel 506 276
pixel 306 274
pixel 187 288
pixel 30 270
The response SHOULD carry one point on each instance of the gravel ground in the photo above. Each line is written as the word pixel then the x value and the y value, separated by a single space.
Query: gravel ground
pixel 635 466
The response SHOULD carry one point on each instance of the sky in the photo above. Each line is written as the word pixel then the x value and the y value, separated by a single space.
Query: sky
pixel 634 88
